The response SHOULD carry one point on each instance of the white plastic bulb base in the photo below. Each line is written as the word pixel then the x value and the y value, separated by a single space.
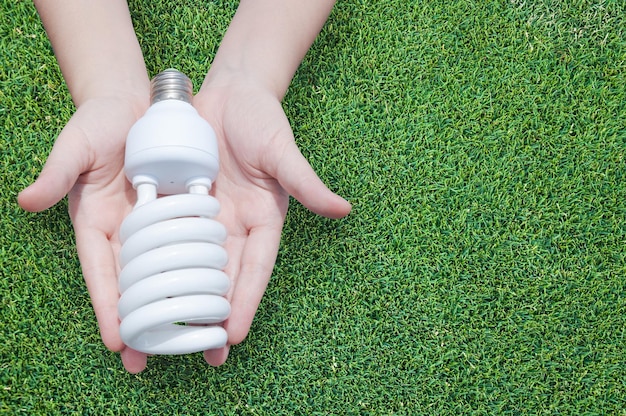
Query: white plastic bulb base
pixel 171 145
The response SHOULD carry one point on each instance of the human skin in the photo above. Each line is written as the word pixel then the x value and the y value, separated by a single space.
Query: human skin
pixel 260 164
pixel 241 98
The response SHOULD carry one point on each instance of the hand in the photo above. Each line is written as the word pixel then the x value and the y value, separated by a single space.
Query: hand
pixel 87 162
pixel 260 166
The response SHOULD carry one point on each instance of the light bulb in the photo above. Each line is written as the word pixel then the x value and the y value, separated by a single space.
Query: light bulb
pixel 172 285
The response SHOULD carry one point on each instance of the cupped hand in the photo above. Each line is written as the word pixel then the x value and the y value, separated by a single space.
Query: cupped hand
pixel 260 166
pixel 87 163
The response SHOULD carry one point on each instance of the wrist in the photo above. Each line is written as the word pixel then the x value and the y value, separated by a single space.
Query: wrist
pixel 230 76
pixel 119 82
pixel 136 90
pixel 267 40
pixel 134 102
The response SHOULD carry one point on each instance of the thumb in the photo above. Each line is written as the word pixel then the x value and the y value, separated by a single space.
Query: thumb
pixel 297 177
pixel 67 160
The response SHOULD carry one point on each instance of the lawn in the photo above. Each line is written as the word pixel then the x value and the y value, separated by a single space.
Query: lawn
pixel 481 271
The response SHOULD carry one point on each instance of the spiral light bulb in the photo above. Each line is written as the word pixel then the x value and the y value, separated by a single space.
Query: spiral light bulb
pixel 172 255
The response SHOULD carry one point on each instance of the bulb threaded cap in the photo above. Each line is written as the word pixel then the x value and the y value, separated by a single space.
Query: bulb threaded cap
pixel 171 84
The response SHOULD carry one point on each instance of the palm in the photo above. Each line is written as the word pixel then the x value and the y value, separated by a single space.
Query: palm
pixel 249 127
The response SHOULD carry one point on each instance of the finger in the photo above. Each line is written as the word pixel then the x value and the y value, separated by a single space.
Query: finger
pixel 99 267
pixel 217 356
pixel 67 160
pixel 234 246
pixel 99 270
pixel 134 361
pixel 257 263
pixel 256 267
pixel 297 177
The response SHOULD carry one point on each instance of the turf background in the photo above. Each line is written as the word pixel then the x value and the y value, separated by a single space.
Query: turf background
pixel 482 270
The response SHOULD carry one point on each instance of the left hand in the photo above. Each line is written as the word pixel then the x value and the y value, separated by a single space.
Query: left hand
pixel 260 166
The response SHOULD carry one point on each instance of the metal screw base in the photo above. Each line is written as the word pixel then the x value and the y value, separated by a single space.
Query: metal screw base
pixel 171 84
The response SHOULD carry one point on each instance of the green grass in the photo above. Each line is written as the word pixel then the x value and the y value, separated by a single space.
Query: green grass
pixel 482 270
